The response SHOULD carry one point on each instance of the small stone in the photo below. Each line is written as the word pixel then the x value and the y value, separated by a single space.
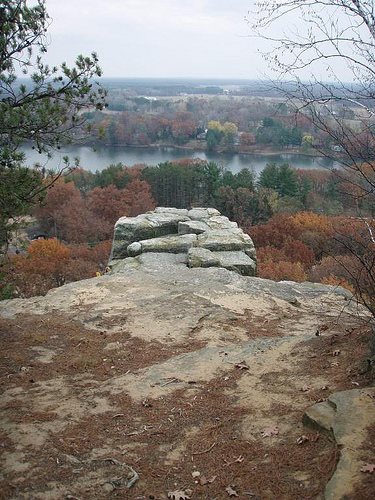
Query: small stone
pixel 134 249
pixel 196 473
pixel 108 487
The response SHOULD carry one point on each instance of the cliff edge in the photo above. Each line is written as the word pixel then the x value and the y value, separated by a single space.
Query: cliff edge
pixel 159 380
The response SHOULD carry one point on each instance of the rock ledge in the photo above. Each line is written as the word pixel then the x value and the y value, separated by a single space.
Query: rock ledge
pixel 202 236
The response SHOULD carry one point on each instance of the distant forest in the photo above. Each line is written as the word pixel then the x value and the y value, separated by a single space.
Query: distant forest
pixel 299 219
pixel 219 116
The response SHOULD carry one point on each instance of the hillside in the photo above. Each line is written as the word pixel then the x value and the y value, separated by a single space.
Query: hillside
pixel 162 380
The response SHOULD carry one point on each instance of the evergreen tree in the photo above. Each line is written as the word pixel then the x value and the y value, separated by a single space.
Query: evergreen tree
pixel 245 178
pixel 43 110
pixel 287 180
pixel 269 177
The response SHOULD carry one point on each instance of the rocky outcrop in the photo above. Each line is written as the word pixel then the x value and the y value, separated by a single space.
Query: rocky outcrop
pixel 141 363
pixel 202 236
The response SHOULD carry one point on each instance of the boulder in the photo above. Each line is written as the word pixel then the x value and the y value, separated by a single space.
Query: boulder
pixel 202 213
pixel 145 226
pixel 220 222
pixel 209 238
pixel 170 210
pixel 134 249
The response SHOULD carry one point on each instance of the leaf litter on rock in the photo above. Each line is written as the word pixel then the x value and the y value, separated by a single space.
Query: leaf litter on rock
pixel 178 495
pixel 270 432
pixel 242 365
pixel 368 468
pixel 231 492
pixel 203 480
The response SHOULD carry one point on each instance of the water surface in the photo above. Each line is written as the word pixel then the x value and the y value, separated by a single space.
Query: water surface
pixel 104 156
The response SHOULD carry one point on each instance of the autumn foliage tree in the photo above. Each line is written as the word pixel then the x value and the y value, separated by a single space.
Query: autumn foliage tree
pixel 49 264
pixel 41 269
pixel 77 217
pixel 65 215
pixel 288 246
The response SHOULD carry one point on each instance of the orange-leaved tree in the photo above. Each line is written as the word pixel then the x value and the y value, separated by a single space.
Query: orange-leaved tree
pixel 40 270
pixel 49 264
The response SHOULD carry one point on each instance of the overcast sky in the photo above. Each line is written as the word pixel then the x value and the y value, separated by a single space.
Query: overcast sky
pixel 165 38
pixel 157 38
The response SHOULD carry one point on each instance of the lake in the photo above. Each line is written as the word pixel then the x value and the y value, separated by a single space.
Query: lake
pixel 104 156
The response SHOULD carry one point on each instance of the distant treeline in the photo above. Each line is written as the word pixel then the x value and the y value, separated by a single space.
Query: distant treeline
pixel 239 87
pixel 301 220
pixel 135 120
pixel 245 197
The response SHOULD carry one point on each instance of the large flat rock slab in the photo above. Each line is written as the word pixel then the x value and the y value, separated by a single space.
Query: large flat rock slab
pixel 172 371
pixel 180 243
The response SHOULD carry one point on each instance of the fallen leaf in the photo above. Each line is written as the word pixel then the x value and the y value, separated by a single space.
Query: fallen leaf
pixel 231 492
pixel 203 480
pixel 270 431
pixel 368 468
pixel 305 388
pixel 302 439
pixel 178 495
pixel 242 365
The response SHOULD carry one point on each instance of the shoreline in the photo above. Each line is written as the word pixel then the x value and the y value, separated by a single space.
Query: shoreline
pixel 97 156
pixel 196 147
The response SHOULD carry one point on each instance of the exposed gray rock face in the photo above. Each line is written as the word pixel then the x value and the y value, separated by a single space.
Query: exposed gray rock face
pixel 345 417
pixel 202 213
pixel 220 222
pixel 134 249
pixel 146 226
pixel 192 226
pixel 200 257
pixel 233 261
pixel 209 238
pixel 169 244
pixel 225 240
pixel 236 261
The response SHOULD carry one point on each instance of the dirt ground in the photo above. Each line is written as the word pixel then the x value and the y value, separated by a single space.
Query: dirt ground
pixel 97 413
